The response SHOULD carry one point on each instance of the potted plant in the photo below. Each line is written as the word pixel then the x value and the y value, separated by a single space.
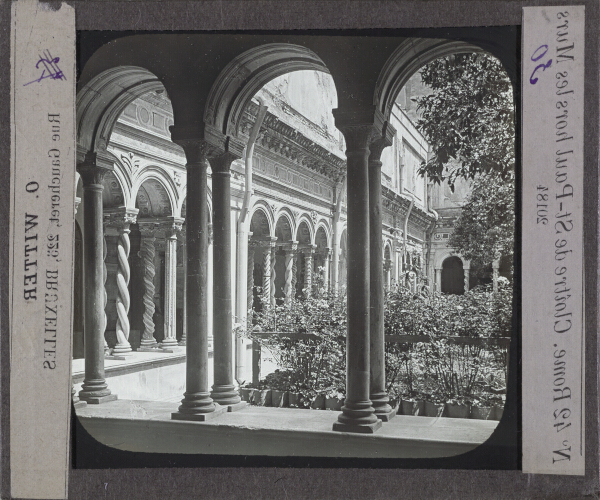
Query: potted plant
pixel 458 408
pixel 334 399
pixel 434 406
pixel 481 409
pixel 246 392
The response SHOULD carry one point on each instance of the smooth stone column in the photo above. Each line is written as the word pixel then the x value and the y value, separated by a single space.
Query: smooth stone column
pixel 196 403
pixel 223 389
pixel 438 280
pixel 358 414
pixel 121 220
pixel 377 390
pixel 94 388
pixel 184 312
pixel 171 229
pixel 290 256
pixel 495 272
pixel 77 403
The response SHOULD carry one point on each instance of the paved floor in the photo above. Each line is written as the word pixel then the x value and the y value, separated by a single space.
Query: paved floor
pixel 147 426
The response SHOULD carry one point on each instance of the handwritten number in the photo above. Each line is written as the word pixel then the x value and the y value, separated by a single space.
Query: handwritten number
pixel 533 80
pixel 535 59
pixel 538 53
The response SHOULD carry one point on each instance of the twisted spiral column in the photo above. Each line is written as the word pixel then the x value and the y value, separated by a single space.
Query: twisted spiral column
pixel 266 279
pixel 148 252
pixel 467 273
pixel 123 276
pixel 272 284
pixel 294 275
pixel 308 268
pixel 105 295
pixel 290 264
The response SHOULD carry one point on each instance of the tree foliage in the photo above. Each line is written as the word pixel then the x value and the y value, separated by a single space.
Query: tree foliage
pixel 468 118
pixel 485 228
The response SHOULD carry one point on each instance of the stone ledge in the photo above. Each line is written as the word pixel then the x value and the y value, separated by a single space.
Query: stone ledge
pixel 147 427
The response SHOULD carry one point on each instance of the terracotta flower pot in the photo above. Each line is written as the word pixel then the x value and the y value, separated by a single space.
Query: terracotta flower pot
pixel 434 409
pixel 262 397
pixel 457 411
pixel 414 408
pixel 279 399
pixel 246 394
pixel 318 403
pixel 482 412
pixel 334 404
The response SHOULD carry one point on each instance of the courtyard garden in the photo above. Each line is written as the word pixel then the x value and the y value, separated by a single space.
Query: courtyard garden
pixel 446 355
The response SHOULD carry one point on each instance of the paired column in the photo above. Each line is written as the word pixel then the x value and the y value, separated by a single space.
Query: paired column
pixel 171 229
pixel 223 389
pixel 196 403
pixel 377 390
pixel 290 257
pixel 120 220
pixel 94 388
pixel 358 127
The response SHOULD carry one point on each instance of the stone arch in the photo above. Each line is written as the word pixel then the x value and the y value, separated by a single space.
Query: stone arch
pixel 321 237
pixel 453 275
pixel 414 53
pixel 113 194
pixel 305 231
pixel 284 230
pixel 323 226
pixel 101 101
pixel 246 74
pixel 153 172
pixel 261 224
pixel 442 255
pixel 124 179
pixel 152 199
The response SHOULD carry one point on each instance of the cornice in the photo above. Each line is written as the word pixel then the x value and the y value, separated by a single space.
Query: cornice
pixel 290 143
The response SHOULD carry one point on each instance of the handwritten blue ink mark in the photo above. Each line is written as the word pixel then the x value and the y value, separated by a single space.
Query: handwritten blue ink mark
pixel 49 67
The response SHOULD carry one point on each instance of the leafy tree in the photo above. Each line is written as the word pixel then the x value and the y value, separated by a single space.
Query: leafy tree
pixel 485 228
pixel 468 118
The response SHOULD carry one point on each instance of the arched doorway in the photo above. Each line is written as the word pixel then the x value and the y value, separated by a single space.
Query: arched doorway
pixel 453 276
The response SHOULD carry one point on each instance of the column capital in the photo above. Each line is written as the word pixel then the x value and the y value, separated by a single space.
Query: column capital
pixel 148 228
pixel 307 249
pixel 359 125
pixel 120 217
pixel 172 225
pixel 201 142
pixel 378 144
pixel 92 174
pixel 290 246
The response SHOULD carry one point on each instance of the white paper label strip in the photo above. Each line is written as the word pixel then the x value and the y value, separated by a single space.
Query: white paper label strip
pixel 552 263
pixel 41 249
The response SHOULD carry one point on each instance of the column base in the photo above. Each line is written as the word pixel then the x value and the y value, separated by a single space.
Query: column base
pixel 96 400
pixel 362 428
pixel 152 348
pixel 237 406
pixel 169 343
pixel 181 343
pixel 121 349
pixel 386 416
pixel 199 417
pixel 116 357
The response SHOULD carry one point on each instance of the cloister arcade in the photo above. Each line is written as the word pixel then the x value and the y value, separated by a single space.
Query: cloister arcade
pixel 179 221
